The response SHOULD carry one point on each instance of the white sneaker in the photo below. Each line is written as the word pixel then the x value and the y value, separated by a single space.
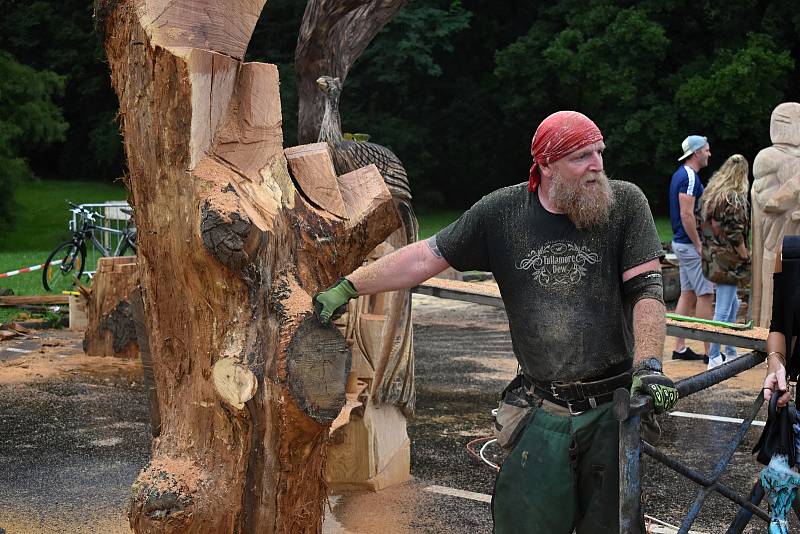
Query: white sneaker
pixel 715 362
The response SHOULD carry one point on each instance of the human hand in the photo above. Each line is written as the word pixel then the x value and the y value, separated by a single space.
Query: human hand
pixel 648 379
pixel 331 303
pixel 699 249
pixel 776 381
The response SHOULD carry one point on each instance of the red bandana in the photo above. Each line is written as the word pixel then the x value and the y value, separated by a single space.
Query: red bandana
pixel 558 135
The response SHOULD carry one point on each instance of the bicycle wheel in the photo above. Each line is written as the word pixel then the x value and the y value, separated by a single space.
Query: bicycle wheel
pixel 129 245
pixel 62 276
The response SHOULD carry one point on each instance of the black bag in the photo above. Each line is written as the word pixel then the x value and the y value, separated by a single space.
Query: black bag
pixel 778 434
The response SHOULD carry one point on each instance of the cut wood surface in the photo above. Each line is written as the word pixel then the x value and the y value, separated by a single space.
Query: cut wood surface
pixel 21 300
pixel 110 329
pixel 231 249
pixel 312 167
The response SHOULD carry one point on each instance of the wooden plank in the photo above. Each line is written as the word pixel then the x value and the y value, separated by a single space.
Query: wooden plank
pixel 717 337
pixel 17 300
pixel 486 294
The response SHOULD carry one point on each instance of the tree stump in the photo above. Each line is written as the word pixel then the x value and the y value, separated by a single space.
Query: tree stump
pixel 110 329
pixel 231 249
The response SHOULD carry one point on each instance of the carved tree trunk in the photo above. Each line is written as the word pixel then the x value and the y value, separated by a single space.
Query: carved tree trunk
pixel 333 34
pixel 231 248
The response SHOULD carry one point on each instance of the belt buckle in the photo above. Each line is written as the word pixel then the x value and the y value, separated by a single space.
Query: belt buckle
pixel 571 411
pixel 592 403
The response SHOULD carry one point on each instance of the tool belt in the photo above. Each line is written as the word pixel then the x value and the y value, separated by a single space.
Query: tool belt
pixel 580 396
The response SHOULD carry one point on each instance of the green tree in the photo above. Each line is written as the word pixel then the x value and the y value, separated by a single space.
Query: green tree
pixel 58 36
pixel 738 92
pixel 649 74
pixel 396 89
pixel 28 116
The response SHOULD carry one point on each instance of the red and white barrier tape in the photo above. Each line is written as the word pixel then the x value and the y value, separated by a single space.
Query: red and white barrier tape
pixel 28 269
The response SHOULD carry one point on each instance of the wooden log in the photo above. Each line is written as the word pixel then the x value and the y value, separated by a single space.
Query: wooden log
pixel 230 252
pixel 487 294
pixel 23 300
pixel 110 329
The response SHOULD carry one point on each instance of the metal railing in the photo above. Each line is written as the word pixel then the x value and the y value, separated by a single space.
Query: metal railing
pixel 630 411
pixel 111 216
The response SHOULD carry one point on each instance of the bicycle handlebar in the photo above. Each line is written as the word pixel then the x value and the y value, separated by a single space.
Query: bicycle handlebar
pixel 91 215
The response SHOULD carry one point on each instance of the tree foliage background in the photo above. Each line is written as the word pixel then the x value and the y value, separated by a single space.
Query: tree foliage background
pixel 455 88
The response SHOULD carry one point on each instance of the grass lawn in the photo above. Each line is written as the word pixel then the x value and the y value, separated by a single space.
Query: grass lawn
pixel 43 214
pixel 664 229
pixel 431 222
pixel 42 223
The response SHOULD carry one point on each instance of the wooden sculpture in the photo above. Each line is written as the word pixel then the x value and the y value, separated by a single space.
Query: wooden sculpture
pixel 231 248
pixel 776 203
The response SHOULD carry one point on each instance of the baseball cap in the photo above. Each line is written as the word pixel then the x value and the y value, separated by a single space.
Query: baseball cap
pixel 692 144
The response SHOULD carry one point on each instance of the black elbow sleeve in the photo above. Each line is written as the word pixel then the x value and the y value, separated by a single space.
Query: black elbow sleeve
pixel 646 285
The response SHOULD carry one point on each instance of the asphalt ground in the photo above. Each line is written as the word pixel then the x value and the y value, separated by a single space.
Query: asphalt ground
pixel 74 433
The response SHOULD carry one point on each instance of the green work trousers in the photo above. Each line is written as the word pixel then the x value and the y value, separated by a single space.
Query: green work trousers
pixel 563 475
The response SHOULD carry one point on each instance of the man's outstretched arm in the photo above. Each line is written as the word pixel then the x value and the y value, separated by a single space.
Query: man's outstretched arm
pixel 402 269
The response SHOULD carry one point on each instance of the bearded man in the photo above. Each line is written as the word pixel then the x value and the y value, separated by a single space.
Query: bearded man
pixel 576 258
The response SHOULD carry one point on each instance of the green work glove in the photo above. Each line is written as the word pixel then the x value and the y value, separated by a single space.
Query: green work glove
pixel 332 303
pixel 648 379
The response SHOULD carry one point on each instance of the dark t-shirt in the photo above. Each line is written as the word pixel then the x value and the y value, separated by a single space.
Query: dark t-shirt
pixel 685 180
pixel 562 287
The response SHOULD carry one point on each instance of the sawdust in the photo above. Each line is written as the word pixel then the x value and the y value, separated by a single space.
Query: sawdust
pixel 22 521
pixel 401 509
pixel 486 288
pixel 751 333
pixel 61 357
pixel 178 476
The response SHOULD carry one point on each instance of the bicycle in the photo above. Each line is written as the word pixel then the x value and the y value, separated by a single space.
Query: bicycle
pixel 66 263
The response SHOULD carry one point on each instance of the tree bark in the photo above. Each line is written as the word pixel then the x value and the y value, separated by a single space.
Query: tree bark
pixel 231 248
pixel 333 34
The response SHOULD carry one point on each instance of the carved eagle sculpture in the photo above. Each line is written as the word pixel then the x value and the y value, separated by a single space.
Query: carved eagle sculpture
pixel 394 367
pixel 350 155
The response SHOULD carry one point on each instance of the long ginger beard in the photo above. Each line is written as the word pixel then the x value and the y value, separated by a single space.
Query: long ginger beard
pixel 586 201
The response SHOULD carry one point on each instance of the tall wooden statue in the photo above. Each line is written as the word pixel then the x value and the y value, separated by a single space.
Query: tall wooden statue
pixel 231 247
pixel 776 203
pixel 373 450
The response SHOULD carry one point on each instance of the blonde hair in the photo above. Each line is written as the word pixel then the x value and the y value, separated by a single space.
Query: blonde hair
pixel 729 184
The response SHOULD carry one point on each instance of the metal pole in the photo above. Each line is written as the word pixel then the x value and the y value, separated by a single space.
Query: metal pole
pixel 701 479
pixel 725 371
pixel 630 482
pixel 743 517
pixel 688 386
pixel 694 511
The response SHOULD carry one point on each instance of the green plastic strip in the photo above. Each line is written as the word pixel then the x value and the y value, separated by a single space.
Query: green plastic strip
pixel 735 326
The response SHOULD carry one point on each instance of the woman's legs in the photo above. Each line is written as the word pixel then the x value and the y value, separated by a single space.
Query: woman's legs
pixel 726 302
pixel 730 351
